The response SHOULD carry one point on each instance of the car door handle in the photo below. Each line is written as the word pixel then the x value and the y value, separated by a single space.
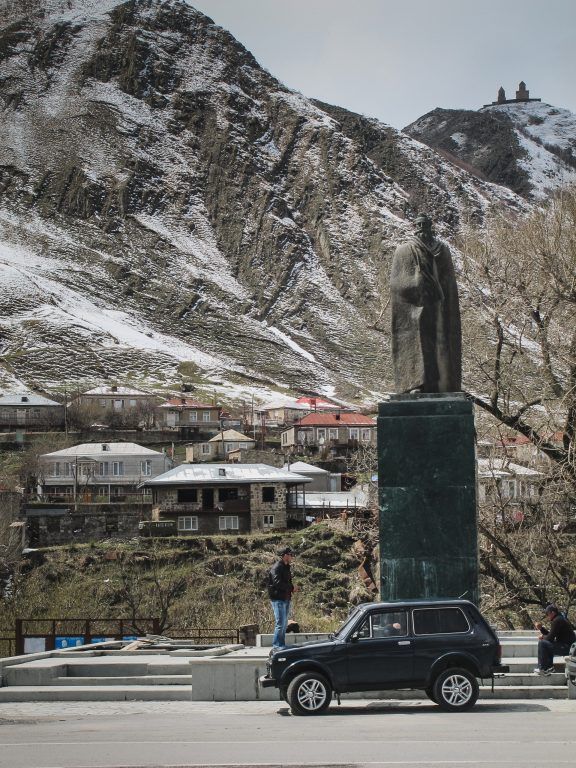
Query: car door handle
pixel 403 642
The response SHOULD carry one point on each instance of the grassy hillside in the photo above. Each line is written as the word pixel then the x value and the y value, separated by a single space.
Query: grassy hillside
pixel 216 581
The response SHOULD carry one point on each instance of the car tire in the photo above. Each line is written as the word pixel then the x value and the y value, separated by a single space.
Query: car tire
pixel 455 690
pixel 430 693
pixel 309 694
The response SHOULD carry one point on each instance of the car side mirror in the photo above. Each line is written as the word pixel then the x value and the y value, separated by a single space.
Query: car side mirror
pixel 354 637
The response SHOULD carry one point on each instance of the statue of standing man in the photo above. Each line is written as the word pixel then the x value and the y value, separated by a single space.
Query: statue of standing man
pixel 426 338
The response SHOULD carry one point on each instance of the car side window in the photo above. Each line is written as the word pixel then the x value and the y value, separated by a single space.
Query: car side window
pixel 440 621
pixel 383 624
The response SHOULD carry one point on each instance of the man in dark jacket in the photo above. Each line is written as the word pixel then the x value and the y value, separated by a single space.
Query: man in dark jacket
pixel 555 641
pixel 280 589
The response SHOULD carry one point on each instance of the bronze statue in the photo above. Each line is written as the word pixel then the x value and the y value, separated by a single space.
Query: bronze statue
pixel 426 340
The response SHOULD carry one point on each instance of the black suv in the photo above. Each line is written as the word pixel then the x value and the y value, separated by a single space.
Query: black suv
pixel 439 646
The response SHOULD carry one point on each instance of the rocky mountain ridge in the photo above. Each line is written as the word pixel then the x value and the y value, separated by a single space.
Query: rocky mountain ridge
pixel 529 147
pixel 171 211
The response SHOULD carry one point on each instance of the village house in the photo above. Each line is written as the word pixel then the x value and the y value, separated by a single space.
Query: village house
pixel 92 490
pixel 320 479
pixel 337 432
pixel 289 410
pixel 122 404
pixel 508 484
pixel 192 418
pixel 219 447
pixel 224 498
pixel 29 411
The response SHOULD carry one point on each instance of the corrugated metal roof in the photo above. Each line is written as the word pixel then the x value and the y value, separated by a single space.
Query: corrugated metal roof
pixel 237 474
pixel 117 391
pixel 231 435
pixel 334 419
pixel 25 398
pixel 97 449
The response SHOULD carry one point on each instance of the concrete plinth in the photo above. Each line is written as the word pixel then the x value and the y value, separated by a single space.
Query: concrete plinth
pixel 427 497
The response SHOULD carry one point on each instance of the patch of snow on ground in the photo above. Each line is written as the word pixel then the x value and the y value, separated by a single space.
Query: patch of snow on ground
pixel 292 344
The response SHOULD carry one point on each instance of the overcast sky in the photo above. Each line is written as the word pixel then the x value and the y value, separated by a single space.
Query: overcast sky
pixel 398 59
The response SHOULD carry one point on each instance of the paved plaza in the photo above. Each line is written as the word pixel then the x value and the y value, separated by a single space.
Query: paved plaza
pixel 507 734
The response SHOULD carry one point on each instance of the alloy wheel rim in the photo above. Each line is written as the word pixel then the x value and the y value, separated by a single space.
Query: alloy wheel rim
pixel 311 694
pixel 457 690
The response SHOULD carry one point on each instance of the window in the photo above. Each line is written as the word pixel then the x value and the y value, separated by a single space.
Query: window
pixel 353 433
pixel 206 415
pixel 284 438
pixel 268 521
pixel 146 467
pixel 117 467
pixel 132 403
pixel 227 494
pixel 383 624
pixel 103 403
pixel 193 416
pixel 103 468
pixel 188 523
pixel 439 621
pixel 511 489
pixel 118 405
pixel 366 435
pixel 333 434
pixel 321 433
pixel 205 448
pixel 187 495
pixel 228 523
pixel 269 494
pixel 55 469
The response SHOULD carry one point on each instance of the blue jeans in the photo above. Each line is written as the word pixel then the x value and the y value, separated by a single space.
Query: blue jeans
pixel 281 609
pixel 547 650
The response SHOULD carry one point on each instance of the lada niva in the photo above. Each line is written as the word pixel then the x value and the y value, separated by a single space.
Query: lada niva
pixel 439 646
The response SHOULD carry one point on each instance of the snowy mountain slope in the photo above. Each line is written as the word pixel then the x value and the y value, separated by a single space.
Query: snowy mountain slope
pixel 528 146
pixel 170 211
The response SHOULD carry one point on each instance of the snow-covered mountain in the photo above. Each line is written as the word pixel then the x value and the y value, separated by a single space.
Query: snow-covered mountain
pixel 170 211
pixel 528 146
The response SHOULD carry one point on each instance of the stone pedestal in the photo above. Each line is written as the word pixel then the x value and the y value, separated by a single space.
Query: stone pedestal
pixel 427 497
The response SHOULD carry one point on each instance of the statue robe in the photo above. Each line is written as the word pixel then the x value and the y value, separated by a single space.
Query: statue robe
pixel 426 337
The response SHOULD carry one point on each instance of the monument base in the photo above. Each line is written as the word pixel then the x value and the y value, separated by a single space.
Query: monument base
pixel 427 498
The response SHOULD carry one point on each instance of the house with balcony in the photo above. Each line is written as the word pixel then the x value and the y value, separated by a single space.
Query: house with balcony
pixel 92 490
pixel 335 432
pixel 29 411
pixel 224 498
pixel 193 419
pixel 219 447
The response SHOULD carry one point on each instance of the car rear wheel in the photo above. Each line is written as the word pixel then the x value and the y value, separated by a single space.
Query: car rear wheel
pixel 309 694
pixel 455 690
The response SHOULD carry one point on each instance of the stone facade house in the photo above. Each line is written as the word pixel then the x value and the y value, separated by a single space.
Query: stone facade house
pixel 30 412
pixel 190 417
pixel 337 432
pixel 220 446
pixel 91 491
pixel 224 498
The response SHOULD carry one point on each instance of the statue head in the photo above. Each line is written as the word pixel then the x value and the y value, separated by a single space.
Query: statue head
pixel 423 228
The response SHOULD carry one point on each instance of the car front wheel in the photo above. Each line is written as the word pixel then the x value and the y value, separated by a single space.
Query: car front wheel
pixel 309 694
pixel 455 690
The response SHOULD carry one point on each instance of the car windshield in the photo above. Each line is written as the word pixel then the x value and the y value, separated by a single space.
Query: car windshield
pixel 344 629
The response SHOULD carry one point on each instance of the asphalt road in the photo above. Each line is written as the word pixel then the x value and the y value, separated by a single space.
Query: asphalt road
pixel 359 733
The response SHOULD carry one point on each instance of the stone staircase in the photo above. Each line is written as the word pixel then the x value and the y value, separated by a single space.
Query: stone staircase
pixel 112 675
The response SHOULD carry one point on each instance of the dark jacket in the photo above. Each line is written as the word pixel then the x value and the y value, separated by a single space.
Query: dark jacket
pixel 561 631
pixel 280 585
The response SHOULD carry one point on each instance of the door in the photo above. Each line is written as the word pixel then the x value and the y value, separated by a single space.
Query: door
pixel 380 651
pixel 208 498
pixel 438 631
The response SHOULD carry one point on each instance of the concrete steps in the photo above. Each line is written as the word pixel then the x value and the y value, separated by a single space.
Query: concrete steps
pixel 99 676
pixel 96 693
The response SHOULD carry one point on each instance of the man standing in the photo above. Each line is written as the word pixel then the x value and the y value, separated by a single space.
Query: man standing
pixel 426 338
pixel 280 589
pixel 555 641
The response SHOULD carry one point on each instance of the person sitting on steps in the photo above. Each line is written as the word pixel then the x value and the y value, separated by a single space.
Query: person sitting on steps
pixel 555 641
